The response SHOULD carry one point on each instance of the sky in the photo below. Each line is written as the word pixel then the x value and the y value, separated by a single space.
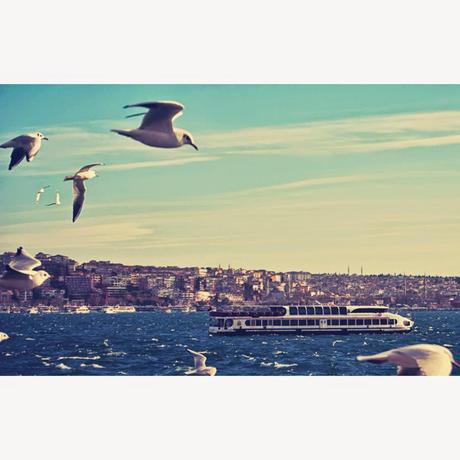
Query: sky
pixel 287 177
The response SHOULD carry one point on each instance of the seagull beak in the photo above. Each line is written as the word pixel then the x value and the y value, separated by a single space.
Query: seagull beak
pixel 45 139
pixel 194 146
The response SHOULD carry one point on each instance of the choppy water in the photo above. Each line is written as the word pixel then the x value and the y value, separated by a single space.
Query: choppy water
pixel 155 344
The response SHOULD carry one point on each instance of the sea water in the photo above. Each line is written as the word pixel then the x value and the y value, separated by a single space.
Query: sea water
pixel 150 343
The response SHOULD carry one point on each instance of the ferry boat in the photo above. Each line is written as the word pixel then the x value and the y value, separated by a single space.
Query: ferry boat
pixel 120 309
pixel 82 309
pixel 33 311
pixel 308 318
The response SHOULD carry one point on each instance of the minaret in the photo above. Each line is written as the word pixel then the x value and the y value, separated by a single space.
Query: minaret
pixel 348 270
pixel 361 270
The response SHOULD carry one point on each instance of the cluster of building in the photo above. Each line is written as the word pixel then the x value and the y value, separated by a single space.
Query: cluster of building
pixel 101 283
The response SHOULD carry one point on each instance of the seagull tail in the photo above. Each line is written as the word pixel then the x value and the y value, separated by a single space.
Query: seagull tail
pixel 122 132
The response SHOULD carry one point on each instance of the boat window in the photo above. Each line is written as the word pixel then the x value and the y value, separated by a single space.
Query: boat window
pixel 302 311
pixel 294 322
pixel 343 322
pixel 276 322
pixel 367 322
pixel 285 322
pixel 335 310
pixel 406 323
pixel 310 311
pixel 264 322
pixel 392 321
pixel 327 310
pixel 293 311
pixel 278 311
pixel 318 310
pixel 375 322
pixel 247 322
pixel 220 322
pixel 369 310
pixel 359 322
pixel 311 322
pixel 258 322
pixel 302 322
pixel 335 322
pixel 352 322
pixel 383 321
pixel 343 310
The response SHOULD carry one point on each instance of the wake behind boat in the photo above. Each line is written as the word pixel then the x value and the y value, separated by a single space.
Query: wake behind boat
pixel 308 318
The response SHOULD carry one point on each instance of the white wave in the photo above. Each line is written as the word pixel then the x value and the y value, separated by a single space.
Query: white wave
pixel 106 342
pixel 116 353
pixel 96 366
pixel 29 338
pixel 266 364
pixel 91 358
pixel 250 358
pixel 154 339
pixel 279 352
pixel 63 366
pixel 336 341
pixel 281 365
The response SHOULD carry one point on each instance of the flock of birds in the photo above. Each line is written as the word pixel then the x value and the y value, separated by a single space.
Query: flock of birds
pixel 157 130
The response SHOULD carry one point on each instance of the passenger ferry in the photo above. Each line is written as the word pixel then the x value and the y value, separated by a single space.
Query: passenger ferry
pixel 308 318
pixel 120 309
pixel 82 309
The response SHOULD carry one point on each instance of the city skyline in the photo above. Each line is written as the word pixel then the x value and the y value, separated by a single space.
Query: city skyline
pixel 287 177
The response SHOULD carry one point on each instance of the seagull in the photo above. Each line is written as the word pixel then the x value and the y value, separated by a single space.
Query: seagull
pixel 4 336
pixel 79 188
pixel 57 200
pixel 20 273
pixel 420 359
pixel 38 195
pixel 200 365
pixel 24 146
pixel 156 129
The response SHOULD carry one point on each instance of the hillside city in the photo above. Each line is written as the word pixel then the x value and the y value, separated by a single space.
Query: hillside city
pixel 101 283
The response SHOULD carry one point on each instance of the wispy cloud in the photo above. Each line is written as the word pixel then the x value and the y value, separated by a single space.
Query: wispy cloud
pixel 351 135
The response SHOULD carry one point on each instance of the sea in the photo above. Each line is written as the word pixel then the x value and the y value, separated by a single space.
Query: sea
pixel 155 343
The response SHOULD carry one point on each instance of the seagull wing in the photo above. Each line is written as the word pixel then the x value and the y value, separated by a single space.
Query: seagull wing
pixel 17 156
pixel 88 167
pixel 24 263
pixel 37 197
pixel 20 141
pixel 58 198
pixel 79 190
pixel 430 359
pixel 160 116
pixel 199 358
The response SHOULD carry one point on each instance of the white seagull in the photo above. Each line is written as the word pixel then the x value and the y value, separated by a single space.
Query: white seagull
pixel 4 336
pixel 156 129
pixel 20 273
pixel 57 200
pixel 39 193
pixel 200 365
pixel 24 146
pixel 79 188
pixel 420 359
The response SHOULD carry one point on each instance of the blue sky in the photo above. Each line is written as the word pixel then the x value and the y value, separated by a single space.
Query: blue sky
pixel 311 177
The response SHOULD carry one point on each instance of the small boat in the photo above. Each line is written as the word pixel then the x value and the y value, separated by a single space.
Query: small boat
pixel 82 309
pixel 33 311
pixel 119 309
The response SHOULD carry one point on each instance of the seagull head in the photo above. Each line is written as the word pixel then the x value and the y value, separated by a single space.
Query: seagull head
pixel 40 136
pixel 188 139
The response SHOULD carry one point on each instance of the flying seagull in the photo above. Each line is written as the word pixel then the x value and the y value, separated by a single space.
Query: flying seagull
pixel 156 129
pixel 20 273
pixel 39 193
pixel 79 188
pixel 200 365
pixel 24 146
pixel 57 200
pixel 4 336
pixel 420 359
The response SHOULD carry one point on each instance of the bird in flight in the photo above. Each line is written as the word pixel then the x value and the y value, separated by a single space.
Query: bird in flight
pixel 156 129
pixel 200 365
pixel 79 189
pixel 39 193
pixel 57 200
pixel 24 146
pixel 419 359
pixel 20 273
